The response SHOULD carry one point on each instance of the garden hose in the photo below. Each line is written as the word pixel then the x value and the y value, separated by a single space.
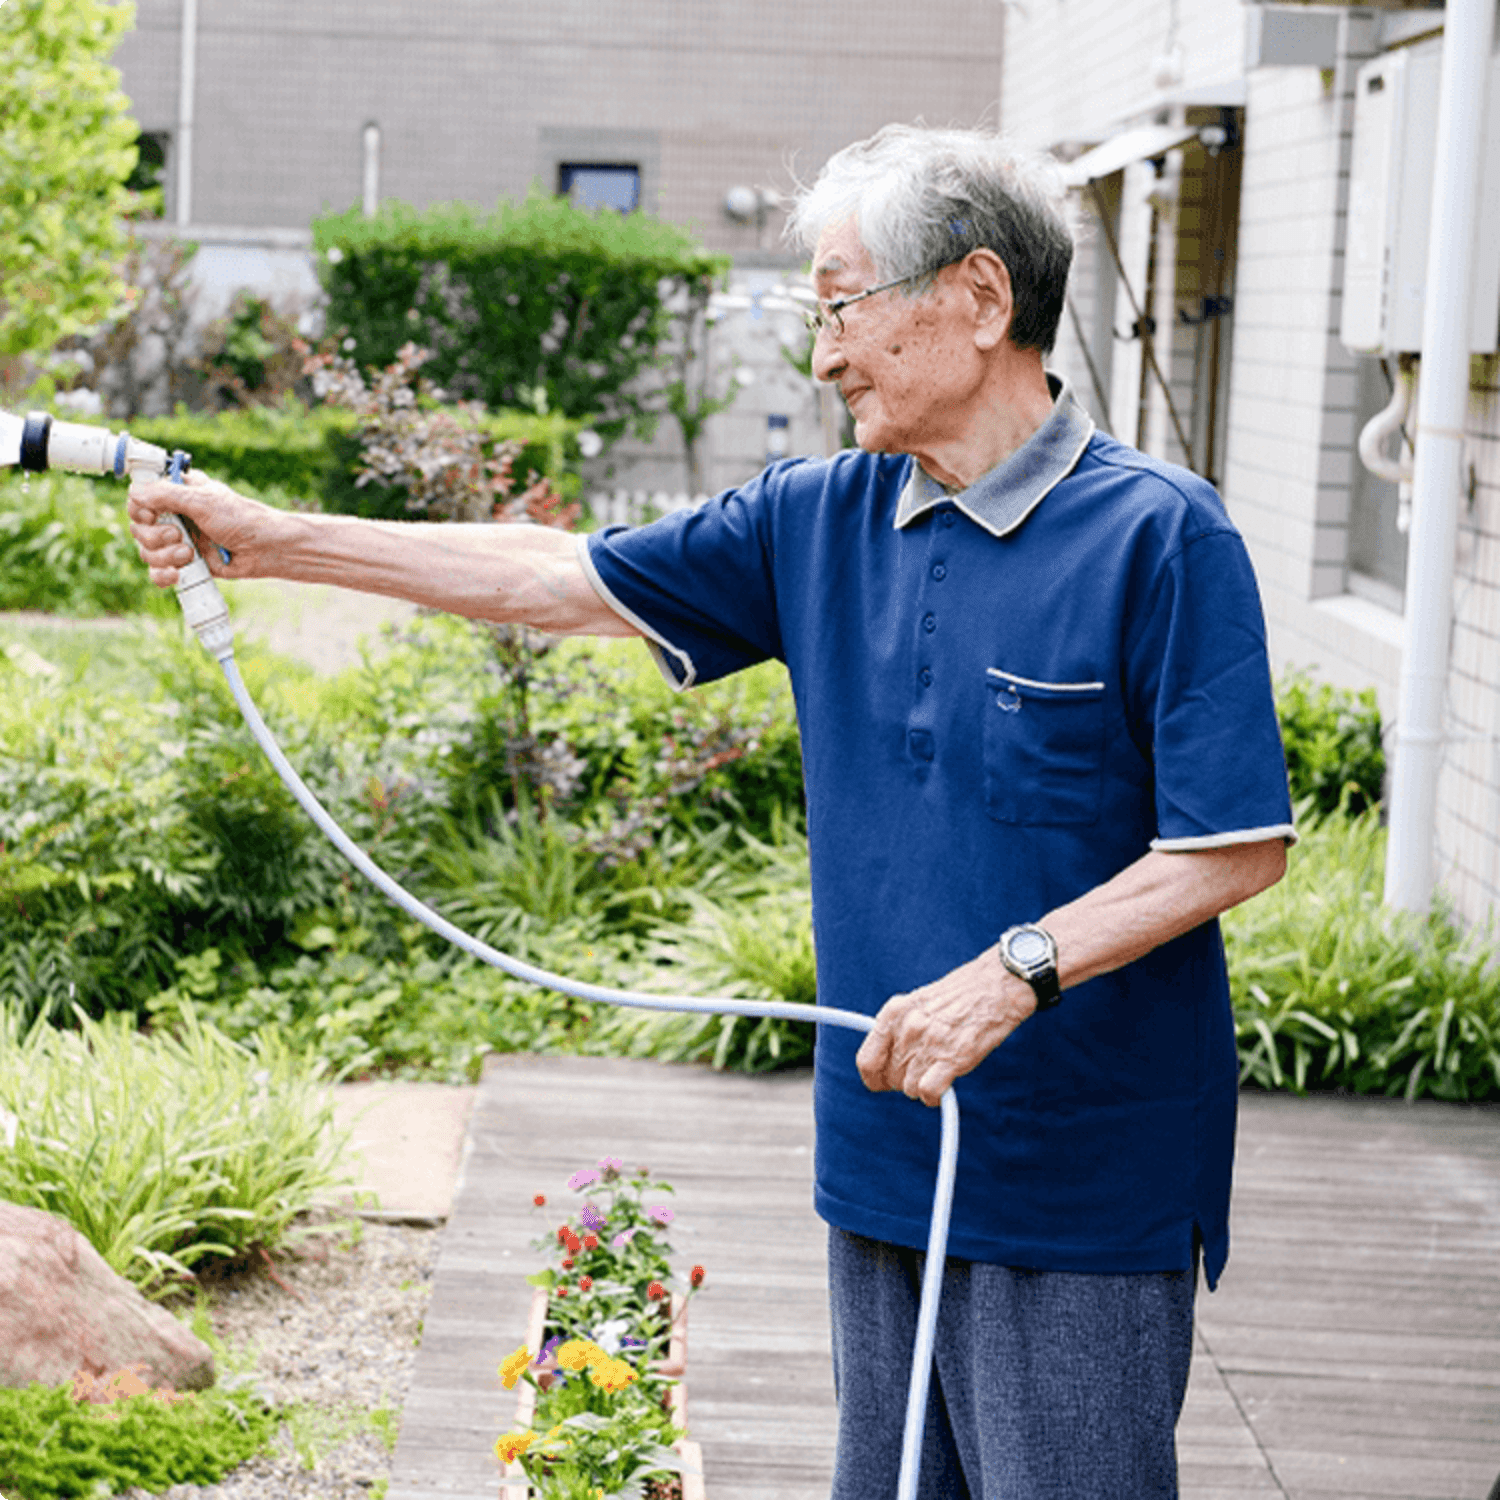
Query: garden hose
pixel 45 444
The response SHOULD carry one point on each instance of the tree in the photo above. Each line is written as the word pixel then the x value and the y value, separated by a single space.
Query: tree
pixel 67 145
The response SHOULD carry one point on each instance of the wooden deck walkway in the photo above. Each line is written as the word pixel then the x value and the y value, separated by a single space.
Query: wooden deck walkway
pixel 1352 1351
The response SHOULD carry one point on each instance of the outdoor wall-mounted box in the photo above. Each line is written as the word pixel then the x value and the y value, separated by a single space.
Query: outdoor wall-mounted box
pixel 1390 206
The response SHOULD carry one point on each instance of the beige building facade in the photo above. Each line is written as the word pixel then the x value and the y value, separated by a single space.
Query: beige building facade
pixel 1232 247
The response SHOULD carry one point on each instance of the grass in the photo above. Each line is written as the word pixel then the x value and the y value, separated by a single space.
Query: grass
pixel 165 1149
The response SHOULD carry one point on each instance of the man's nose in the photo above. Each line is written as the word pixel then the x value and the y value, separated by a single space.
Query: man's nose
pixel 827 358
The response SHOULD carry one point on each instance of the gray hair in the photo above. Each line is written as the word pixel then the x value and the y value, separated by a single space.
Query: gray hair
pixel 922 199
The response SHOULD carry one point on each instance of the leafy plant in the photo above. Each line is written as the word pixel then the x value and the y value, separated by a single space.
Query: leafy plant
pixel 65 547
pixel 1333 746
pixel 66 151
pixel 161 1149
pixel 540 305
pixel 54 1447
pixel 1333 990
pixel 601 1419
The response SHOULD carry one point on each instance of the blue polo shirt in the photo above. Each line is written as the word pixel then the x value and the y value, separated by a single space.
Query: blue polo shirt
pixel 1006 695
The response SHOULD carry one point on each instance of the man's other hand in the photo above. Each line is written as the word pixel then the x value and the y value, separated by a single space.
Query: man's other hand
pixel 923 1040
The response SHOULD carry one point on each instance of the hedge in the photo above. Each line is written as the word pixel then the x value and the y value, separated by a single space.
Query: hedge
pixel 313 452
pixel 539 305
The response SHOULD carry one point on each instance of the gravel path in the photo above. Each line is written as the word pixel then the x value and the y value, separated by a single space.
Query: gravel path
pixel 343 1340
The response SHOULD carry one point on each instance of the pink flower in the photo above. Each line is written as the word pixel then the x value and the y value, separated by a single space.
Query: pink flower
pixel 662 1214
pixel 625 1237
pixel 610 1164
pixel 586 1178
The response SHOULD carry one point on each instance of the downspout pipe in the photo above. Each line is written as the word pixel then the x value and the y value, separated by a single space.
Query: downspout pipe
pixel 1437 480
pixel 187 87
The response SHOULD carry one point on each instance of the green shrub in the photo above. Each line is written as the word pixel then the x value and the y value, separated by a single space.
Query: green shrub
pixel 541 305
pixel 162 1150
pixel 1333 990
pixel 1332 741
pixel 313 453
pixel 65 547
pixel 54 1448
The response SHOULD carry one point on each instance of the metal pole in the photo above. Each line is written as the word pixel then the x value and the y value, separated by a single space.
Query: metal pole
pixel 187 83
pixel 1437 478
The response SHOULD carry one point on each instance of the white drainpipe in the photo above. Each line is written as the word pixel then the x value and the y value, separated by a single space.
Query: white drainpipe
pixel 1442 411
pixel 186 87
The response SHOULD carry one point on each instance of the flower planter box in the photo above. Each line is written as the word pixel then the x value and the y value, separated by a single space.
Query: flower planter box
pixel 515 1486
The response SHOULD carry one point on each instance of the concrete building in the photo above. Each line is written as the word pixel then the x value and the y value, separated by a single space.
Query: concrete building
pixel 1213 147
pixel 267 115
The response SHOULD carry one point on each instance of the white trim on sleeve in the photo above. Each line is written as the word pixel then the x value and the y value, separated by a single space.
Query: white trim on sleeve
pixel 656 643
pixel 1223 840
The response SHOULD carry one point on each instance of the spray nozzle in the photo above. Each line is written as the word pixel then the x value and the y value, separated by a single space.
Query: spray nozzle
pixel 37 443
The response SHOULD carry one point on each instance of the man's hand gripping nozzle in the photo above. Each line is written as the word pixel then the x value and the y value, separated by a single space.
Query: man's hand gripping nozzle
pixel 38 443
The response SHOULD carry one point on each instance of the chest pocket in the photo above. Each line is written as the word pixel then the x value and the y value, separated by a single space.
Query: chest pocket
pixel 1043 749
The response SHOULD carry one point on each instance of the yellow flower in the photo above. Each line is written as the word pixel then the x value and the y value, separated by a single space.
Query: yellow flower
pixel 577 1353
pixel 513 1365
pixel 512 1445
pixel 613 1375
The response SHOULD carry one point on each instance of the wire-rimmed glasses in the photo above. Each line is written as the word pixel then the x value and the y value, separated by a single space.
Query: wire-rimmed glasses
pixel 830 314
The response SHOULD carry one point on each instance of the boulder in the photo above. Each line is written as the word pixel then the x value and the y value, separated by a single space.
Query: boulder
pixel 63 1310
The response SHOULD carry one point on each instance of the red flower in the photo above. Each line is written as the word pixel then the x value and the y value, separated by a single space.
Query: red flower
pixel 540 1200
pixel 656 1290
pixel 590 1241
pixel 568 1264
pixel 585 1282
pixel 562 1235
pixel 697 1276
pixel 560 1289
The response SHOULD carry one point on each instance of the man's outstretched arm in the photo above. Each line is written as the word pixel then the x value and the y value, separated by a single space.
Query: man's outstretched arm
pixel 508 573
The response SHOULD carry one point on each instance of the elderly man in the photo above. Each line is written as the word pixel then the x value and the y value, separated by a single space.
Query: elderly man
pixel 1041 757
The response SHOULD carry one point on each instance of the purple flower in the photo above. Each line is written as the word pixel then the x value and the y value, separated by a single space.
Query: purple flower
pixel 662 1214
pixel 547 1349
pixel 591 1218
pixel 586 1178
pixel 625 1236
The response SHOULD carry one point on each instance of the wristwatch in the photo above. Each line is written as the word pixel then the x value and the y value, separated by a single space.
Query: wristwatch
pixel 1030 953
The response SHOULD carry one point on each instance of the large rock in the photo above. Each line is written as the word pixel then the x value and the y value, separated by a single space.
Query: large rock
pixel 63 1310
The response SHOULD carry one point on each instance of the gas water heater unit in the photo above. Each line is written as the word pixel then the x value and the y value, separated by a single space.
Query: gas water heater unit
pixel 1390 206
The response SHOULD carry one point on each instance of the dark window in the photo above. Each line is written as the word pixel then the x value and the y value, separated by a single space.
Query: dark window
pixel 1377 546
pixel 600 185
pixel 151 165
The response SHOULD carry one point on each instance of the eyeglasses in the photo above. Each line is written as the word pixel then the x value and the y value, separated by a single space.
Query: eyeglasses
pixel 830 314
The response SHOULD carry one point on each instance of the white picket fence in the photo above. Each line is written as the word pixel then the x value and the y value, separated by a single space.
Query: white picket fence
pixel 631 507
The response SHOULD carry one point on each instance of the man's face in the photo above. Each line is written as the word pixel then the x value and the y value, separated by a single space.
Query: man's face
pixel 903 364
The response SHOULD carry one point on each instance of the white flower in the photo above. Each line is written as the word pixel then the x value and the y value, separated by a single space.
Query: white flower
pixel 9 1125
pixel 334 255
pixel 590 444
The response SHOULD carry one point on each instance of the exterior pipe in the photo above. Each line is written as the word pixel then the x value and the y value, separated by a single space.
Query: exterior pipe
pixel 1442 410
pixel 187 84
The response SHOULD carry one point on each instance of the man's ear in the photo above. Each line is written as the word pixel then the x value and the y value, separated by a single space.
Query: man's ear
pixel 986 278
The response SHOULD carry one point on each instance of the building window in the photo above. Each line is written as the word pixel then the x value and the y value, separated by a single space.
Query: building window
pixel 150 173
pixel 600 185
pixel 1377 545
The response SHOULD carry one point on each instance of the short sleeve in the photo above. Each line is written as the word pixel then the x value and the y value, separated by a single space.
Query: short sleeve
pixel 1199 685
pixel 699 584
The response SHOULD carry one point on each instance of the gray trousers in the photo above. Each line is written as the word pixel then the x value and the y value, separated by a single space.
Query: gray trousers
pixel 1049 1385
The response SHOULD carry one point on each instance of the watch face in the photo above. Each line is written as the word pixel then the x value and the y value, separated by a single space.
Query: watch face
pixel 1029 948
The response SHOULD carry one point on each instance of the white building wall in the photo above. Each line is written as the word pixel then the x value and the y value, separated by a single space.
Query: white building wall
pixel 1076 70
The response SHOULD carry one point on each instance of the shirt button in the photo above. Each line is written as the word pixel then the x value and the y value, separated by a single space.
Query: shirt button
pixel 925 676
pixel 929 623
pixel 947 518
pixel 939 571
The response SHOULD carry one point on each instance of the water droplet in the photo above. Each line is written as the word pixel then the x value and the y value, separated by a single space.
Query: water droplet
pixel 26 485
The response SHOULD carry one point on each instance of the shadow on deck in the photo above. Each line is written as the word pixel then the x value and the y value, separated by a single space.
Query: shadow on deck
pixel 1352 1350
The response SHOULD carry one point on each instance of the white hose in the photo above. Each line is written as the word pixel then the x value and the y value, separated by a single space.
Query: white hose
pixel 942 1198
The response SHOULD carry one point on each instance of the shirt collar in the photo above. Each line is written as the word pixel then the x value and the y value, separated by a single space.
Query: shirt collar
pixel 1000 499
